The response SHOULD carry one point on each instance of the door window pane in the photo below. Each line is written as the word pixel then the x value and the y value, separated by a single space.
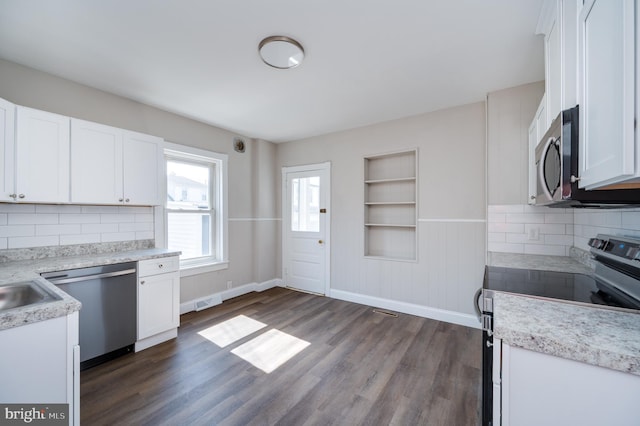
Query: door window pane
pixel 305 204
pixel 189 233
pixel 188 185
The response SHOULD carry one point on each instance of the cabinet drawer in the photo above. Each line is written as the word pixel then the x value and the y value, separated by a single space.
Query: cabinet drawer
pixel 158 266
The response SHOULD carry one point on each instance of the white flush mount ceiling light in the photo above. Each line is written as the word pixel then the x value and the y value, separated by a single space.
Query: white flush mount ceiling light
pixel 281 52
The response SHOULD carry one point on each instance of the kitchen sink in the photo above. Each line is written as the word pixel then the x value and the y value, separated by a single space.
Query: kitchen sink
pixel 16 295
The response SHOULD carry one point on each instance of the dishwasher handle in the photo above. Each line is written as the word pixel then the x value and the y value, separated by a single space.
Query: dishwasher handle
pixel 57 281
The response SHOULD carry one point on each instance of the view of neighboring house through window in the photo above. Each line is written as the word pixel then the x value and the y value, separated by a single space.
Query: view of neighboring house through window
pixel 193 210
pixel 305 205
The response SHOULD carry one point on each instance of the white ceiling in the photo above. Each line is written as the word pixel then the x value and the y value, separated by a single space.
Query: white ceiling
pixel 367 60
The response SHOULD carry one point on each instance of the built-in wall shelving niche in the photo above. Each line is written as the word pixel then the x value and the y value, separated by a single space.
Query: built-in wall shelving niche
pixel 390 205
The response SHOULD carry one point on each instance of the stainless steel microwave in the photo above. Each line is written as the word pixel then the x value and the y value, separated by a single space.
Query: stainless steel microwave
pixel 556 163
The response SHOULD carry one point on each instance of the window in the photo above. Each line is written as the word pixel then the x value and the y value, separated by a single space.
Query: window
pixel 305 204
pixel 195 218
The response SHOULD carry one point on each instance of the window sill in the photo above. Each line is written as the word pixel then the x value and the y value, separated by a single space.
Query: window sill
pixel 187 271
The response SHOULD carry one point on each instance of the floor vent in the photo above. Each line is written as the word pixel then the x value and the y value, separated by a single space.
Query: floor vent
pixel 208 302
pixel 387 313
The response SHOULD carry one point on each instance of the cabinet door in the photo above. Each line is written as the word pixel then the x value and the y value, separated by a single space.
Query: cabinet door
pixel 7 150
pixel 143 169
pixel 28 375
pixel 96 163
pixel 541 119
pixel 607 90
pixel 42 156
pixel 540 389
pixel 533 136
pixel 553 68
pixel 158 304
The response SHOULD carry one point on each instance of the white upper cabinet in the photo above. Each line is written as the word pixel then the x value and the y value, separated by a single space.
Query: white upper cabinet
pixel 609 147
pixel 553 67
pixel 42 156
pixel 143 169
pixel 559 24
pixel 7 150
pixel 114 166
pixel 96 163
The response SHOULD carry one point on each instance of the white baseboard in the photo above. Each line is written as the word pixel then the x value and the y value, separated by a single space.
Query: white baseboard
pixel 394 305
pixel 408 308
pixel 155 339
pixel 231 293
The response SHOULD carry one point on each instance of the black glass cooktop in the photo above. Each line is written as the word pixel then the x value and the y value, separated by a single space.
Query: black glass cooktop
pixel 566 286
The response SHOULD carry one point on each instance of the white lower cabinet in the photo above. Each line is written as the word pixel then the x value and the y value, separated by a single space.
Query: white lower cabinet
pixel 42 362
pixel 540 389
pixel 158 301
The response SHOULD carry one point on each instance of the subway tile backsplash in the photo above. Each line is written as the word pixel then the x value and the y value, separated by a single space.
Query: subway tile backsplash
pixel 542 230
pixel 530 230
pixel 589 222
pixel 29 225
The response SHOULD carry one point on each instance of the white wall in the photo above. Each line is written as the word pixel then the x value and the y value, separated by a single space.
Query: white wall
pixel 509 114
pixel 247 200
pixel 451 209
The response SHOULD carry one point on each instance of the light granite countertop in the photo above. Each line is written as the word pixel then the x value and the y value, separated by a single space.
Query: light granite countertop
pixel 598 336
pixel 538 262
pixel 30 270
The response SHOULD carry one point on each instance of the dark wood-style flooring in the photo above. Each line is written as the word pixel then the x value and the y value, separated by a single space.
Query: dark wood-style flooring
pixel 361 367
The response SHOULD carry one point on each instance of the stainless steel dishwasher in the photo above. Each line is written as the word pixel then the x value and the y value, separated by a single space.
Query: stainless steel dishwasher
pixel 108 318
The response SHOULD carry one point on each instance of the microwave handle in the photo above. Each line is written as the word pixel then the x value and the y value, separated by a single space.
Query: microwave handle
pixel 543 184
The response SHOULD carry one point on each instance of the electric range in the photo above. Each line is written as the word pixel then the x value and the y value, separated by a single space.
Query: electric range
pixel 614 284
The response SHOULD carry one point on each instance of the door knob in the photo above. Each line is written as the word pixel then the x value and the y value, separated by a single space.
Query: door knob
pixel 320 241
pixel 21 196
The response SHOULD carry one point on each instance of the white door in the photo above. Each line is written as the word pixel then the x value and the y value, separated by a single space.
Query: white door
pixel 306 227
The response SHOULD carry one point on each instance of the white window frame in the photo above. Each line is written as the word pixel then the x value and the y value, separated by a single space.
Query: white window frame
pixel 219 225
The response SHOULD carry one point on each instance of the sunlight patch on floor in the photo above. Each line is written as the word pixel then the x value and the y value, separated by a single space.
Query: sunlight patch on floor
pixel 231 330
pixel 270 350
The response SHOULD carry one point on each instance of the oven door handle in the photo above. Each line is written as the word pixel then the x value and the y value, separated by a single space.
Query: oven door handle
pixel 476 303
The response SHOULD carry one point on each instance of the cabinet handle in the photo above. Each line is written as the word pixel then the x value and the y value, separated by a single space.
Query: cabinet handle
pixel 14 196
pixel 160 266
pixel 21 196
pixel 120 199
pixel 142 282
pixel 126 201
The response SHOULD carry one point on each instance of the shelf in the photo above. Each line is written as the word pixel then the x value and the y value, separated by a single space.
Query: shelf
pixel 387 258
pixel 390 206
pixel 407 179
pixel 390 203
pixel 389 225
